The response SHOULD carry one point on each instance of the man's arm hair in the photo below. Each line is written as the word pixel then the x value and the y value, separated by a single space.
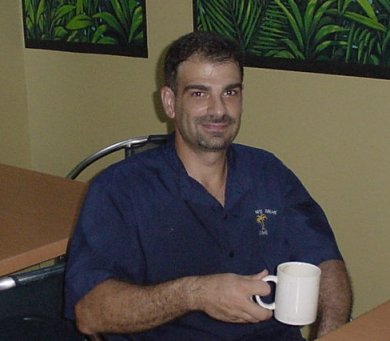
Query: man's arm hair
pixel 119 307
pixel 335 299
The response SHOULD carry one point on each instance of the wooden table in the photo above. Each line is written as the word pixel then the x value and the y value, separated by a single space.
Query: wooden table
pixel 371 326
pixel 37 215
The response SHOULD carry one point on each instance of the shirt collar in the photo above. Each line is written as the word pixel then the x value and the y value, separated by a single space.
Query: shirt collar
pixel 237 182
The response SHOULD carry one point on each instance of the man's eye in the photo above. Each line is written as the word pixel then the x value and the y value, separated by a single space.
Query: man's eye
pixel 197 94
pixel 231 92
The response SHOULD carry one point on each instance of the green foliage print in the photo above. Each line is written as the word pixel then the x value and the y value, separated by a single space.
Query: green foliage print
pixel 87 21
pixel 347 31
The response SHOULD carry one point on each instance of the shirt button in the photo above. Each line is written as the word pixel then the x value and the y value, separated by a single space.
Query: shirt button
pixel 231 254
pixel 225 216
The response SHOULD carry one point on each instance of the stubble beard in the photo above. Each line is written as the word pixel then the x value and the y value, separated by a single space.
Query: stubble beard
pixel 216 141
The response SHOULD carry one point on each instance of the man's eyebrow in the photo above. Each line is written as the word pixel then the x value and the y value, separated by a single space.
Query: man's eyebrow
pixel 233 86
pixel 205 88
pixel 196 87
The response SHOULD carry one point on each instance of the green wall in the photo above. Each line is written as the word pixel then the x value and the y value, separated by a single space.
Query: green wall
pixel 333 131
pixel 14 132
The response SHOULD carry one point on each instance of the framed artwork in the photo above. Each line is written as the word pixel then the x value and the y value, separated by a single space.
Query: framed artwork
pixel 345 37
pixel 115 27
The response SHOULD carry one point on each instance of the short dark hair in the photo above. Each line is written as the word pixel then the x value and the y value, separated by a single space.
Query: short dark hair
pixel 210 45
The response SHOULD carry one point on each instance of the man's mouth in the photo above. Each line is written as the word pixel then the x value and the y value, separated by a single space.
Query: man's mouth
pixel 212 121
pixel 215 126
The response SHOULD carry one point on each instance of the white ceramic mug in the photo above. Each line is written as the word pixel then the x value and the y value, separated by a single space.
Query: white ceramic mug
pixel 296 296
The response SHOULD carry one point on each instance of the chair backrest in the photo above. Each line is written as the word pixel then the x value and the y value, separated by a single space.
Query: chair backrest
pixel 130 146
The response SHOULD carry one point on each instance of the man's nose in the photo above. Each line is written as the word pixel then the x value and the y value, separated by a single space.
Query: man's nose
pixel 217 105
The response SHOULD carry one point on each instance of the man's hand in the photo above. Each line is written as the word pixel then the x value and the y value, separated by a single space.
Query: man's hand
pixel 228 297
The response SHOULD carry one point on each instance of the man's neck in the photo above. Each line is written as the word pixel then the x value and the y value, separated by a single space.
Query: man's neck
pixel 207 167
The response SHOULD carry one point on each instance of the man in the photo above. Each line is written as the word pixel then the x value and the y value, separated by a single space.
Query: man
pixel 172 243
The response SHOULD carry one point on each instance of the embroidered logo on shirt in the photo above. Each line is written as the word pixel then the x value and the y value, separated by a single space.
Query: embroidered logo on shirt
pixel 261 218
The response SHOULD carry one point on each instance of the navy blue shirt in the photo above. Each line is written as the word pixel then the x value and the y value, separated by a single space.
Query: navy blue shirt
pixel 146 221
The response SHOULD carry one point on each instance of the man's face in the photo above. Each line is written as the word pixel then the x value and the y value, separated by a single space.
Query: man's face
pixel 207 105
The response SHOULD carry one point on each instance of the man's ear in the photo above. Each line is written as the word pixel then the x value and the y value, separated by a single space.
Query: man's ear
pixel 168 101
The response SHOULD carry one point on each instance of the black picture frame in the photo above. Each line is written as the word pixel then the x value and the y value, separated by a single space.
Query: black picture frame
pixel 230 17
pixel 102 28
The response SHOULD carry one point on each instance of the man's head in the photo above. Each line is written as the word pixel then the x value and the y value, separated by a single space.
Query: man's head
pixel 208 45
pixel 203 91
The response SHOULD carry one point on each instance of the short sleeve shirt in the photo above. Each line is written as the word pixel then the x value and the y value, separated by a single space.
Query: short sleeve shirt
pixel 146 221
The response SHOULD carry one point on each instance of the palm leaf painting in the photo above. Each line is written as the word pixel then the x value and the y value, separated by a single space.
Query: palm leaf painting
pixel 101 26
pixel 350 37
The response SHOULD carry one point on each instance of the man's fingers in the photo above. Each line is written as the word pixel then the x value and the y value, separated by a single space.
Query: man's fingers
pixel 253 316
pixel 261 288
pixel 260 275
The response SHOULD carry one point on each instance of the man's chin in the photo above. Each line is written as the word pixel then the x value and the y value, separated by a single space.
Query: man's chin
pixel 214 145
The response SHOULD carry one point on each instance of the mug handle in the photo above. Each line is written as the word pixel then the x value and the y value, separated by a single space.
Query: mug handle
pixel 270 306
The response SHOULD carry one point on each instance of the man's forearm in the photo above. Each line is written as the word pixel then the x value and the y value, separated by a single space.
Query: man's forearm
pixel 119 307
pixel 335 296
